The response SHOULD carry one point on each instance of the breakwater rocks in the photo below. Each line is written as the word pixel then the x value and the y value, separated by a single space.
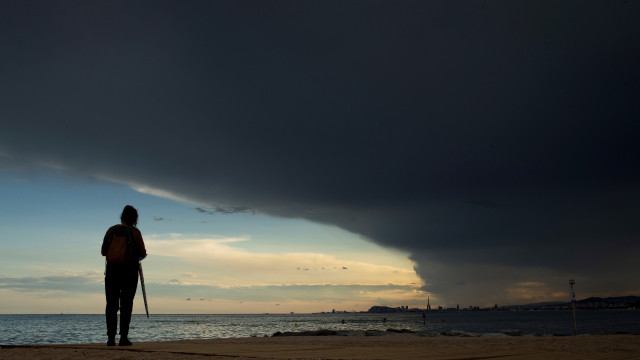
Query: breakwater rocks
pixel 454 333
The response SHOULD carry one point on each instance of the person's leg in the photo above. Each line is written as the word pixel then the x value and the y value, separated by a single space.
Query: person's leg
pixel 130 284
pixel 112 292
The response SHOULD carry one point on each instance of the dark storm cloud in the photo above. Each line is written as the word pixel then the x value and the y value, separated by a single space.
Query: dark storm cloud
pixel 494 141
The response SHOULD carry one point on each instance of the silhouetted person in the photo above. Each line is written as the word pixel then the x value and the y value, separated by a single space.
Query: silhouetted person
pixel 124 248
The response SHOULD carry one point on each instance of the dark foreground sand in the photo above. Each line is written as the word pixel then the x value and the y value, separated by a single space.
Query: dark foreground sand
pixel 395 346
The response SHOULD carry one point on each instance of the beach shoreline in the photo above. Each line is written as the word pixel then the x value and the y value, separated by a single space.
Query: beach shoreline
pixel 391 346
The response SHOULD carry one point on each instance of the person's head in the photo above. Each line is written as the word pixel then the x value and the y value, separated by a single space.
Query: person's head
pixel 129 216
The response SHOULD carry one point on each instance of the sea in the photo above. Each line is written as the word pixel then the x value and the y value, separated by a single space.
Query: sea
pixel 76 329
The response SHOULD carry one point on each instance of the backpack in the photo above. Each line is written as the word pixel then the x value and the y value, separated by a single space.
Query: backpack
pixel 120 246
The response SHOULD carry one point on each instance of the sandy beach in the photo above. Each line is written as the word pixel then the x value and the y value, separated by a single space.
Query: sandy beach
pixel 393 346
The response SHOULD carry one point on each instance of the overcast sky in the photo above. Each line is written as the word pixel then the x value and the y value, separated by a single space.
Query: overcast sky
pixel 493 143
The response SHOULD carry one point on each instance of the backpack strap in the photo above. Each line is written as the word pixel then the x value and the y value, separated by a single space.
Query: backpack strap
pixel 131 250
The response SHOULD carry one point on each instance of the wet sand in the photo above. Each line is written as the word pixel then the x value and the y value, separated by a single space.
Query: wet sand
pixel 394 346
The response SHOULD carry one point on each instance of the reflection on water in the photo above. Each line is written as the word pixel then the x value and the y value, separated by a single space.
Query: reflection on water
pixel 65 329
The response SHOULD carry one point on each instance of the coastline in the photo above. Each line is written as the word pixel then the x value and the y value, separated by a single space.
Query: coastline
pixel 389 346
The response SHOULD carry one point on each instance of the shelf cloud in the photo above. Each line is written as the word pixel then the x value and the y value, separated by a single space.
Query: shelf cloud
pixel 496 142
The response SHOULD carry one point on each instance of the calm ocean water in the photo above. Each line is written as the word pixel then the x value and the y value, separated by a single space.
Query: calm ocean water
pixel 66 329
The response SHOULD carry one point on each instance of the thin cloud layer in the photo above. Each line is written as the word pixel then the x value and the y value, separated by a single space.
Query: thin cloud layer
pixel 496 142
pixel 88 282
pixel 36 290
pixel 221 263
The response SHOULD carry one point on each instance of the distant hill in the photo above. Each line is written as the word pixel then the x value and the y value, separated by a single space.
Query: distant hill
pixel 616 302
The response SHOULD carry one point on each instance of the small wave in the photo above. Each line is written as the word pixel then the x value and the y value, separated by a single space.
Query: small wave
pixel 451 333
